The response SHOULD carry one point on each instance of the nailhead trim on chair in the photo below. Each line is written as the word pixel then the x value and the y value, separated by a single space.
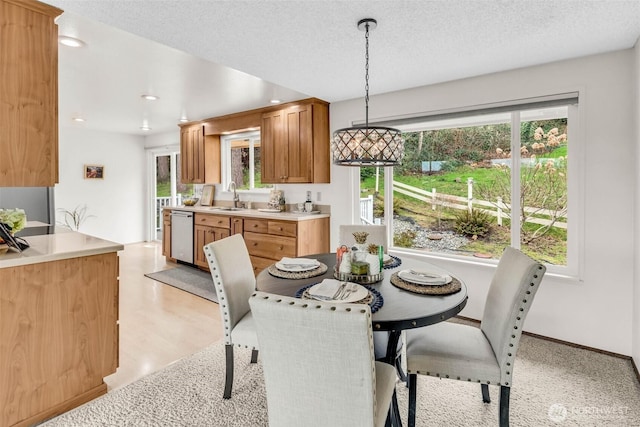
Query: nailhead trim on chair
pixel 333 307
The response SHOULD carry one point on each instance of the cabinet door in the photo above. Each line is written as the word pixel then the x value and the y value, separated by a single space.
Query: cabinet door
pixel 287 145
pixel 203 236
pixel 166 234
pixel 28 94
pixel 192 158
pixel 237 226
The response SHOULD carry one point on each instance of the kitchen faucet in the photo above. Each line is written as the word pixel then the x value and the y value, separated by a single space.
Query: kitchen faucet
pixel 236 198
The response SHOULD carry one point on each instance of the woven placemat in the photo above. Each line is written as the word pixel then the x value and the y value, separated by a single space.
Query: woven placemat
pixel 450 288
pixel 274 271
pixel 395 261
pixel 373 299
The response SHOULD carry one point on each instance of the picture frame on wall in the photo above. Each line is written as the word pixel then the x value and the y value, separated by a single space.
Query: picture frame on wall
pixel 93 172
pixel 207 195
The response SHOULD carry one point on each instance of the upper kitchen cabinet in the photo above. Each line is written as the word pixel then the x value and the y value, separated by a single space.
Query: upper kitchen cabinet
pixel 199 156
pixel 295 144
pixel 28 94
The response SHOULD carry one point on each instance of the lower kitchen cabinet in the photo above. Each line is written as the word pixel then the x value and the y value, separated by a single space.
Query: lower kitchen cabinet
pixel 207 229
pixel 166 233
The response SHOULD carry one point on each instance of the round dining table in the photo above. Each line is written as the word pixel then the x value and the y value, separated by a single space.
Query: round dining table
pixel 401 309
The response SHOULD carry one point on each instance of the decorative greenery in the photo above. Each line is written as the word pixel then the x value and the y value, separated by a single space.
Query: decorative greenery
pixel 73 219
pixel 473 223
pixel 404 239
pixel 360 236
pixel 15 218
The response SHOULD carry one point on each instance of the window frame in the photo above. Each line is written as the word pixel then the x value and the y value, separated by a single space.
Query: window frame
pixel 225 147
pixel 573 270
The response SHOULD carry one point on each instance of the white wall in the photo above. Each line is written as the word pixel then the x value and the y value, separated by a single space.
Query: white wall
pixel 117 201
pixel 596 311
pixel 636 298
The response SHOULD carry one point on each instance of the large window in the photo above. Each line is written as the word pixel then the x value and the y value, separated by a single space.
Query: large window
pixel 472 184
pixel 242 161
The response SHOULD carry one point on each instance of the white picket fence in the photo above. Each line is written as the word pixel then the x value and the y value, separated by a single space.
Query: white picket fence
pixel 496 209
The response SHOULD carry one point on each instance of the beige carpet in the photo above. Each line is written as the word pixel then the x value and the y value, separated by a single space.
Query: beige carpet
pixel 554 385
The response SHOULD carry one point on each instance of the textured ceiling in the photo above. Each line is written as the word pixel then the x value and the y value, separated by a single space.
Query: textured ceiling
pixel 312 48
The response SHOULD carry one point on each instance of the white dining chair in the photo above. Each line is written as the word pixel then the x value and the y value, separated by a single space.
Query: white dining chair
pixel 377 235
pixel 485 354
pixel 318 363
pixel 234 283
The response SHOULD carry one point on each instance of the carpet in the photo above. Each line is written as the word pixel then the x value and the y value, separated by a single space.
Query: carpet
pixel 554 385
pixel 188 279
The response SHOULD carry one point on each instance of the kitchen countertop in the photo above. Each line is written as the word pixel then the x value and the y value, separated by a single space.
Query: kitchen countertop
pixel 250 213
pixel 60 245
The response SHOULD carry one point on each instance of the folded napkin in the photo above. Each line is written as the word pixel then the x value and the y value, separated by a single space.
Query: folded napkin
pixel 424 277
pixel 302 262
pixel 325 289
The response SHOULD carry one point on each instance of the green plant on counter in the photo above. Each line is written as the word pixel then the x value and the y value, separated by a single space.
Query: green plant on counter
pixel 73 219
pixel 15 218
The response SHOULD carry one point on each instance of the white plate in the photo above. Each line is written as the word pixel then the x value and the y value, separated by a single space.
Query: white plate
pixel 360 293
pixel 293 268
pixel 425 277
pixel 269 210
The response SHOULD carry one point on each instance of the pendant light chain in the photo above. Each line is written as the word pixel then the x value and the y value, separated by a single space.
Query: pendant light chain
pixel 361 145
pixel 366 75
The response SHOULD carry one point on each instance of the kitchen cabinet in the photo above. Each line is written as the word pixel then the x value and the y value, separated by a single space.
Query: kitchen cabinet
pixel 207 229
pixel 166 233
pixel 199 156
pixel 295 144
pixel 269 240
pixel 59 336
pixel 28 94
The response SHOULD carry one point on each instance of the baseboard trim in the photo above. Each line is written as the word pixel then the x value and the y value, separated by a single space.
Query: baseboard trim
pixel 571 344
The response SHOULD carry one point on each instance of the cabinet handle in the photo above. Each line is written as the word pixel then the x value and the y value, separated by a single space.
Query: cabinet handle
pixel 280 228
pixel 255 243
pixel 281 247
pixel 255 225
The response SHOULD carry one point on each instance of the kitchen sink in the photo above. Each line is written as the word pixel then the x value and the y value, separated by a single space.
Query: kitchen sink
pixel 227 208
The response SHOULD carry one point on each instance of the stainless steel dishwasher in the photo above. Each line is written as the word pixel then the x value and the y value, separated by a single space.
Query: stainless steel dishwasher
pixel 182 236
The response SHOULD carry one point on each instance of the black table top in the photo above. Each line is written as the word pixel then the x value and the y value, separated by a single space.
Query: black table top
pixel 401 310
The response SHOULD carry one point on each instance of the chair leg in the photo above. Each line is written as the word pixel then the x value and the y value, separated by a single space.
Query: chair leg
pixel 485 393
pixel 401 374
pixel 504 406
pixel 412 379
pixel 254 356
pixel 228 382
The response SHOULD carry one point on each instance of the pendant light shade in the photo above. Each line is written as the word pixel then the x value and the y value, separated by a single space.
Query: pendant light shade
pixel 367 145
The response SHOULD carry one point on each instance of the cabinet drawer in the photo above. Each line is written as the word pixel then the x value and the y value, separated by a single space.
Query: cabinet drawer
pixel 213 220
pixel 260 264
pixel 268 246
pixel 281 228
pixel 256 225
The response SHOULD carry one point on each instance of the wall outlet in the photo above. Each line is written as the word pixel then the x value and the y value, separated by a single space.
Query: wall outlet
pixel 318 197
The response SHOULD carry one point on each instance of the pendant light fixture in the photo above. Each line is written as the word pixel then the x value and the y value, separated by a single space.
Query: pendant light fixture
pixel 366 145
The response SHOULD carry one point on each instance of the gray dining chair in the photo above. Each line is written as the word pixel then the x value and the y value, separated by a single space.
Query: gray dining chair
pixel 234 283
pixel 484 354
pixel 318 363
pixel 377 234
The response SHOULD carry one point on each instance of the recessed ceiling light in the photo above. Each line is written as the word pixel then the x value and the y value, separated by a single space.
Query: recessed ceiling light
pixel 275 101
pixel 78 119
pixel 149 97
pixel 70 41
pixel 184 120
pixel 145 128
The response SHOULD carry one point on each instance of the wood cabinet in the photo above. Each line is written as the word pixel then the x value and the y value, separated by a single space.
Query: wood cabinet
pixel 295 144
pixel 269 240
pixel 28 94
pixel 199 156
pixel 207 229
pixel 59 336
pixel 166 233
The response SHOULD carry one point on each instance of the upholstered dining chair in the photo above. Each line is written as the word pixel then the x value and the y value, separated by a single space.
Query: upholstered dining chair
pixel 377 234
pixel 484 354
pixel 234 282
pixel 318 363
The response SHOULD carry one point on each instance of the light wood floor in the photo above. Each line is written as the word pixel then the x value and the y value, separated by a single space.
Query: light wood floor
pixel 159 324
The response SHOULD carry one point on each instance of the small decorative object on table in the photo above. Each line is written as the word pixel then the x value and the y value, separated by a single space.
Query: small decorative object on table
pixel 360 265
